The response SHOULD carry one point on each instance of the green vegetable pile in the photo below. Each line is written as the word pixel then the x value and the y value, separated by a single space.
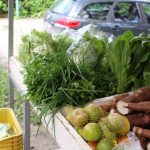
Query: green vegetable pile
pixel 129 58
pixel 54 79
pixel 95 68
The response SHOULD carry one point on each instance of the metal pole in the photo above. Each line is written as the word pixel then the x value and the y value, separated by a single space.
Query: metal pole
pixel 10 47
pixel 26 125
pixel 17 8
pixel 11 27
pixel 11 86
pixel 11 94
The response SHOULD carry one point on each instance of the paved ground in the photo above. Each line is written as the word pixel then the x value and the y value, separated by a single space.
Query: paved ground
pixel 21 27
pixel 42 141
pixel 3 42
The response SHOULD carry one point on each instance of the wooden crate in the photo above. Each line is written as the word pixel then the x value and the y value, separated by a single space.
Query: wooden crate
pixel 65 135
pixel 15 141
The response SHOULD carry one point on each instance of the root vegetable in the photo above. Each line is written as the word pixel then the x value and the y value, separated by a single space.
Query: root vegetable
pixel 142 132
pixel 143 141
pixel 144 137
pixel 139 120
pixel 148 146
pixel 108 107
pixel 126 108
pixel 120 96
pixel 113 110
pixel 122 108
pixel 142 94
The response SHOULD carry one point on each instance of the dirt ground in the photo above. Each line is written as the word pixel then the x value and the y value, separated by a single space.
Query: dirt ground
pixel 42 141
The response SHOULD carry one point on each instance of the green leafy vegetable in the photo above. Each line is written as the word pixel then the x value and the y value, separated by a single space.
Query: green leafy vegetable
pixel 128 58
pixel 119 54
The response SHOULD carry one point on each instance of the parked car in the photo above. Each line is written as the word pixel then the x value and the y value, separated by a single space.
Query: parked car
pixel 113 16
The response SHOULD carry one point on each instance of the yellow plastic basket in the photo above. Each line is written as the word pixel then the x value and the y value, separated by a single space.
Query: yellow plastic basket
pixel 14 142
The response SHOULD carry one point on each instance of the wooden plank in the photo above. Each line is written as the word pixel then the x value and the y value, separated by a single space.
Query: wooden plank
pixel 65 134
pixel 16 75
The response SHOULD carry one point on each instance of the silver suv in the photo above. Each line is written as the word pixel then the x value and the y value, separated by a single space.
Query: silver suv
pixel 113 16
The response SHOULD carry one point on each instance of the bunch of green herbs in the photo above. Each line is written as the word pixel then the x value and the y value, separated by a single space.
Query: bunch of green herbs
pixel 55 79
pixel 41 42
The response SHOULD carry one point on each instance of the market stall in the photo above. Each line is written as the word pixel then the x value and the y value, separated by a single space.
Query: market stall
pixel 81 68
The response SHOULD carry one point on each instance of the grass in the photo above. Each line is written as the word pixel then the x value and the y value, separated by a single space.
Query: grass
pixel 3 87
pixel 4 94
pixel 18 99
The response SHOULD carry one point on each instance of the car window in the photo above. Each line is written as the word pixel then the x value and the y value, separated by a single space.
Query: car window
pixel 146 7
pixel 126 12
pixel 97 11
pixel 63 6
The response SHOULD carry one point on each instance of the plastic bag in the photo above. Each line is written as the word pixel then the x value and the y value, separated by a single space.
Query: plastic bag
pixel 131 143
pixel 87 45
pixel 4 129
pixel 77 35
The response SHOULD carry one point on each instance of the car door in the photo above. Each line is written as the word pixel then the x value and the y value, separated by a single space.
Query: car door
pixel 145 10
pixel 126 16
pixel 96 12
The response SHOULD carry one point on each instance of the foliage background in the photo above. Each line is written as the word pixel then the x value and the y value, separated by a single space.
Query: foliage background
pixel 3 87
pixel 28 8
pixel 3 6
pixel 18 99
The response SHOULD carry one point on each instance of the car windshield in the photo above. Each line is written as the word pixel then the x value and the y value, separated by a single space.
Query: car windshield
pixel 63 6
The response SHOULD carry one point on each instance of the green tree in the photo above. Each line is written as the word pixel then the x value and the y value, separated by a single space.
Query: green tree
pixel 3 7
pixel 28 8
